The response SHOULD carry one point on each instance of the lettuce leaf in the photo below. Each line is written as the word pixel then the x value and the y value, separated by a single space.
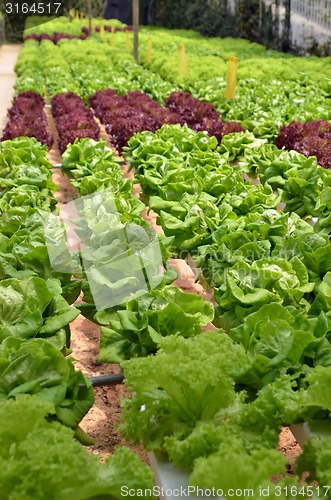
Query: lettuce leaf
pixel 41 459
pixel 253 469
pixel 187 381
pixel 137 329
pixel 36 367
pixel 33 307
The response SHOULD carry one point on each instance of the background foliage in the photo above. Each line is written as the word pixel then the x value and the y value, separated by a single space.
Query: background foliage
pixel 250 19
pixel 98 6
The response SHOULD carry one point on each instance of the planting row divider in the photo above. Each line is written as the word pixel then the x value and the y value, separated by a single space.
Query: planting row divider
pixel 53 154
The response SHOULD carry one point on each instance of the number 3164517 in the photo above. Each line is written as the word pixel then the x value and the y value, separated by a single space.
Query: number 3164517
pixel 35 8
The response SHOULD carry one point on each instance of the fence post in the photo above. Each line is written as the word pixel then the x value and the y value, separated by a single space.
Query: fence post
pixel 135 20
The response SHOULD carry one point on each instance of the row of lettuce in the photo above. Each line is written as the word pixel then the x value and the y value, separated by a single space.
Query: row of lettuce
pixel 45 27
pixel 94 65
pixel 122 116
pixel 202 200
pixel 132 112
pixel 272 88
pixel 27 118
pixel 210 400
pixel 300 89
pixel 128 291
pixel 43 397
pixel 118 248
pixel 216 400
pixel 84 69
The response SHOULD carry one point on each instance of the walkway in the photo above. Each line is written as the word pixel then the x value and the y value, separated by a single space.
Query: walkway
pixel 8 57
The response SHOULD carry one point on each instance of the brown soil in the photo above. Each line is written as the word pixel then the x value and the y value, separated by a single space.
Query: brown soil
pixel 54 154
pixel 289 446
pixel 102 420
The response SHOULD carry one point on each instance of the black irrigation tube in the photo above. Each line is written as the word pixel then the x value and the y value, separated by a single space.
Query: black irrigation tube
pixel 111 379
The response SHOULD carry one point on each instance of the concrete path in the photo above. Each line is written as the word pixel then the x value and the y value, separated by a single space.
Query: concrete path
pixel 8 57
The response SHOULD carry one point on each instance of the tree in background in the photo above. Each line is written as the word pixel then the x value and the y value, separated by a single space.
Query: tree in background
pixel 98 6
pixel 213 18
pixel 286 35
pixel 172 13
pixel 250 19
pixel 122 10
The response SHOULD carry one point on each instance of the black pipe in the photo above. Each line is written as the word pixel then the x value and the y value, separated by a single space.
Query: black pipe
pixel 111 379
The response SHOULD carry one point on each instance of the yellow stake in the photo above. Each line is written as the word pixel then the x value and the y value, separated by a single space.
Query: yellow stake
pixel 127 41
pixel 231 79
pixel 102 30
pixel 149 49
pixel 182 63
pixel 112 36
pixel 93 26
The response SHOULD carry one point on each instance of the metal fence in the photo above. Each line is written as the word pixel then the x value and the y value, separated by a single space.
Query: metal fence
pixel 310 20
pixel 317 11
